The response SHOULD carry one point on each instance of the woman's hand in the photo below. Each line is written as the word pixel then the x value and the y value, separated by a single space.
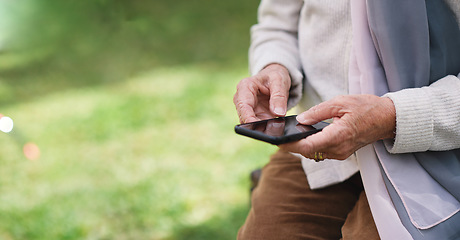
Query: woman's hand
pixel 264 95
pixel 358 120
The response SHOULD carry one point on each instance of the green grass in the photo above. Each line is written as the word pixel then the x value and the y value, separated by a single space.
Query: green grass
pixel 152 157
pixel 131 106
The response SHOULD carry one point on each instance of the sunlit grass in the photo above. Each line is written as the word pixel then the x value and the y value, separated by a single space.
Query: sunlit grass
pixel 131 105
pixel 152 157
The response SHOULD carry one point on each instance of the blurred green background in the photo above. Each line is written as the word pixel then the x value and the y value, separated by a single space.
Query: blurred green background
pixel 130 103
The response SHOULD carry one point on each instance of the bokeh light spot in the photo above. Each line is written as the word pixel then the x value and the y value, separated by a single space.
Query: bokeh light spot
pixel 31 151
pixel 6 124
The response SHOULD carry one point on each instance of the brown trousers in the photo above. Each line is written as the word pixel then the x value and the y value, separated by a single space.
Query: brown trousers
pixel 283 206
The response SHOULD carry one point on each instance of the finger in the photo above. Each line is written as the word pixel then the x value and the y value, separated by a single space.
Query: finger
pixel 296 147
pixel 335 140
pixel 304 146
pixel 245 100
pixel 245 112
pixel 324 141
pixel 320 112
pixel 279 93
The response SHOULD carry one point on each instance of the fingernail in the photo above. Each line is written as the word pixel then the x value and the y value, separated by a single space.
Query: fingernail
pixel 300 118
pixel 279 111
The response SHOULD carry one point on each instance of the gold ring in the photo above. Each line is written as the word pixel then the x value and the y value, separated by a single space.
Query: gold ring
pixel 319 156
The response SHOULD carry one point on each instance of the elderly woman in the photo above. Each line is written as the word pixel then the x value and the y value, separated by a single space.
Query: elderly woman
pixel 386 73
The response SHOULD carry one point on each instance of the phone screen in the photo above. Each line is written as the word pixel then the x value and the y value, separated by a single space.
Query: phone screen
pixel 278 130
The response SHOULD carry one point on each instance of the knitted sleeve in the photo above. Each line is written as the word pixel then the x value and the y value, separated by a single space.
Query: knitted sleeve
pixel 274 40
pixel 427 118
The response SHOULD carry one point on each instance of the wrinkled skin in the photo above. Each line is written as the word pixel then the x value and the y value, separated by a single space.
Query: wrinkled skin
pixel 264 95
pixel 358 120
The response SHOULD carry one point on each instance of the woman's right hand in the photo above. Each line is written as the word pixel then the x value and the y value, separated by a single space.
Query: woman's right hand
pixel 263 95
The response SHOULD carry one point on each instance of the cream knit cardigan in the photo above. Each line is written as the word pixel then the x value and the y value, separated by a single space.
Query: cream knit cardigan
pixel 312 39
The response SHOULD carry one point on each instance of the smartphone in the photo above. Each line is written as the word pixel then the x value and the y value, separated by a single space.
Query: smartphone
pixel 278 130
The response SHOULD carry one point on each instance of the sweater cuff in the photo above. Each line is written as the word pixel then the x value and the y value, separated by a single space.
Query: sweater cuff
pixel 414 121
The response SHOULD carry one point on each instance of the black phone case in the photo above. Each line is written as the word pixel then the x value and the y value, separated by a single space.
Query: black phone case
pixel 277 140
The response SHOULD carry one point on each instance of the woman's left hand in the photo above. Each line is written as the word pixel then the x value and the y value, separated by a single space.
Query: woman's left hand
pixel 358 120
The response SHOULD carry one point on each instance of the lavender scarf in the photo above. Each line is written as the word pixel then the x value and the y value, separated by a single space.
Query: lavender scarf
pixel 402 44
